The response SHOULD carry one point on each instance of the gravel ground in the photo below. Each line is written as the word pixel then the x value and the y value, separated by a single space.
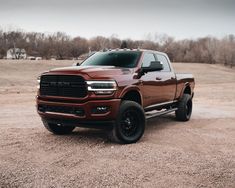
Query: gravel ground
pixel 198 153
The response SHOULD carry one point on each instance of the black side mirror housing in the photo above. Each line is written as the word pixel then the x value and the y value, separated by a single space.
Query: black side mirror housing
pixel 154 66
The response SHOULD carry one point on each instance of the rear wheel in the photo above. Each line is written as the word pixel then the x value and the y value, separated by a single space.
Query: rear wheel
pixel 130 123
pixel 57 128
pixel 185 107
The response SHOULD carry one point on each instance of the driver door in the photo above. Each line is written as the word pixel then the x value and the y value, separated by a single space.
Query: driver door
pixel 151 84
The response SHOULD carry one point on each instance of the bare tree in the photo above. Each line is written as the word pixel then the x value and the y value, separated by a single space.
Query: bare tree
pixel 59 45
pixel 78 46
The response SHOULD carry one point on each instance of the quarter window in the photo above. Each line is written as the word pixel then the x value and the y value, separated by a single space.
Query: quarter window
pixel 148 58
pixel 164 62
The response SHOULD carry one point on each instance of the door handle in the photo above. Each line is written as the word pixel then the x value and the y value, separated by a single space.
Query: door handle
pixel 158 78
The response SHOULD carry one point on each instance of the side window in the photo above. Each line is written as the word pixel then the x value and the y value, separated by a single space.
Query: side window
pixel 164 61
pixel 148 58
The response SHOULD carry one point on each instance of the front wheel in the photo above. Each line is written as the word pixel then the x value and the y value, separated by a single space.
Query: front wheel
pixel 185 107
pixel 130 123
pixel 57 128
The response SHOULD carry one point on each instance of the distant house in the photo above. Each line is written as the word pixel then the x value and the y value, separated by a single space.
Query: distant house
pixel 16 53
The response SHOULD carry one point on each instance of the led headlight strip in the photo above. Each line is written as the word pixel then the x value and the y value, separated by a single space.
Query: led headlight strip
pixel 102 87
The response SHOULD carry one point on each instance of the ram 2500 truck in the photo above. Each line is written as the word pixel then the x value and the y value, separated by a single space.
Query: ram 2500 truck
pixel 115 90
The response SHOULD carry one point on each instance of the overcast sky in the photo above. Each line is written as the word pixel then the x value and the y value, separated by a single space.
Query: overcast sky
pixel 126 18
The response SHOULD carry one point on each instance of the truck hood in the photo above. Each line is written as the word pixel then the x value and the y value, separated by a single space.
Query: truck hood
pixel 94 71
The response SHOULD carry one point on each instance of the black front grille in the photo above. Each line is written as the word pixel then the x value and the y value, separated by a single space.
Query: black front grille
pixel 63 85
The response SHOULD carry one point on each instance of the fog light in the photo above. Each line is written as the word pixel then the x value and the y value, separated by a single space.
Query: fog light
pixel 100 109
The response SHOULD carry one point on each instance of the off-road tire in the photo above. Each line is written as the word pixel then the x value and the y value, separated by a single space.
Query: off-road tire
pixel 57 129
pixel 185 107
pixel 130 123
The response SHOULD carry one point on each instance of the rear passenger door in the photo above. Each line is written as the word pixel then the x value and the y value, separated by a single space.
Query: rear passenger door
pixel 166 78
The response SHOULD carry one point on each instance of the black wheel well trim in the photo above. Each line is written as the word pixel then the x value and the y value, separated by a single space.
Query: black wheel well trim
pixel 131 92
pixel 187 89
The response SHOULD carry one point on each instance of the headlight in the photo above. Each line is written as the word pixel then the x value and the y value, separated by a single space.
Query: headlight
pixel 102 87
pixel 38 80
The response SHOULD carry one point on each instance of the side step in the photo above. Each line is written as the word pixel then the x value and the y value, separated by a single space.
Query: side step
pixel 153 115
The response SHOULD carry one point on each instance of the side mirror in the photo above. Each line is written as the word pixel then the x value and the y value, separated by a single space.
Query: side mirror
pixel 154 66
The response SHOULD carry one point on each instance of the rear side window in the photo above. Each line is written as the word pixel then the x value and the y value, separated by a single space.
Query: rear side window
pixel 148 58
pixel 165 63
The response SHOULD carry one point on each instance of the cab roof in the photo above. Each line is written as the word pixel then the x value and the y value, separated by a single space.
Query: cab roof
pixel 139 50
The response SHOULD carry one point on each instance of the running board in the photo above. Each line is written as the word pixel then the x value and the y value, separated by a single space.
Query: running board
pixel 149 116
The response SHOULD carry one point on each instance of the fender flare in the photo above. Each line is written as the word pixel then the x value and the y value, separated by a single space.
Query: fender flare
pixel 129 89
pixel 187 84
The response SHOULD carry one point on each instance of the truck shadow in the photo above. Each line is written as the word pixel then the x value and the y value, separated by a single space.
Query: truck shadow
pixel 161 122
pixel 97 135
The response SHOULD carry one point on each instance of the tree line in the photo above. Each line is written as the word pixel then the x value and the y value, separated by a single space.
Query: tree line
pixel 61 46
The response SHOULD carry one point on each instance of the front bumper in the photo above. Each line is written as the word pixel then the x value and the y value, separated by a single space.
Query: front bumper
pixel 78 114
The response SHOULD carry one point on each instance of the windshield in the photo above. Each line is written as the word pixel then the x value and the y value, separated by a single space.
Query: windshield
pixel 123 59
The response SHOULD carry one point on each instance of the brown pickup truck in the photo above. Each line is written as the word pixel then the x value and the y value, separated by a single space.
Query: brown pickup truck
pixel 116 90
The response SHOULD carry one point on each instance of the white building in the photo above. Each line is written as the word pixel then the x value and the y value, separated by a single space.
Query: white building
pixel 16 53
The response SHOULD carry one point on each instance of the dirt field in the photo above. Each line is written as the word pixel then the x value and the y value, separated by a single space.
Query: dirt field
pixel 198 153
